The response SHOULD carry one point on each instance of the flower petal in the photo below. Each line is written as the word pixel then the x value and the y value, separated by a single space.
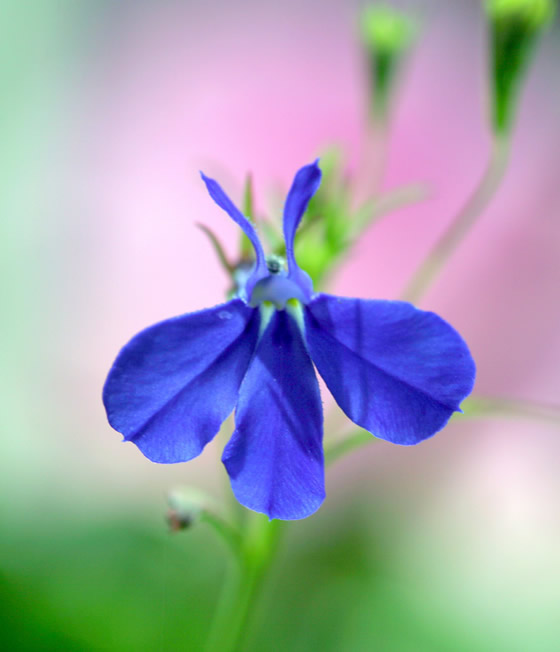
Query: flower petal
pixel 397 371
pixel 174 383
pixel 224 202
pixel 275 456
pixel 304 186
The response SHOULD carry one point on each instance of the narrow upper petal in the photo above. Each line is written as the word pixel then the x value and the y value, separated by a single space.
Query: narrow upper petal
pixel 397 371
pixel 304 186
pixel 275 456
pixel 219 196
pixel 174 383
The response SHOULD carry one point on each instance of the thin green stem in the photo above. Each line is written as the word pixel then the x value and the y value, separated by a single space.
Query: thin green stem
pixel 238 598
pixel 481 407
pixel 341 447
pixel 379 147
pixel 224 616
pixel 373 159
pixel 462 223
pixel 388 202
pixel 475 407
pixel 229 534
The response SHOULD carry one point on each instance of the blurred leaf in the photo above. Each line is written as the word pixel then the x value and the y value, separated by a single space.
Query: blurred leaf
pixel 115 585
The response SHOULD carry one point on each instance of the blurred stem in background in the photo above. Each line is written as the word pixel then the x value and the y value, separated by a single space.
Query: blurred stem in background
pixel 387 36
pixel 514 27
pixel 474 407
pixel 462 223
pixel 332 224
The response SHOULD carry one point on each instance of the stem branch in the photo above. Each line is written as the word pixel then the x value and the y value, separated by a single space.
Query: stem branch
pixel 227 532
pixel 338 449
pixel 481 407
pixel 388 202
pixel 462 223
pixel 475 407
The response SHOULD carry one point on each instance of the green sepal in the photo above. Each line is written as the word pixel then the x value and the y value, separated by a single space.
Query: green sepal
pixel 218 249
pixel 245 246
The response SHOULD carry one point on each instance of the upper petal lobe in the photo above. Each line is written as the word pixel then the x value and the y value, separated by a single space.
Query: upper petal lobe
pixel 275 456
pixel 304 186
pixel 174 383
pixel 224 202
pixel 397 371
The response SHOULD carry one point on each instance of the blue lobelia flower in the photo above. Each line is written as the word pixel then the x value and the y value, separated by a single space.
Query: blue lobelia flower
pixel 396 371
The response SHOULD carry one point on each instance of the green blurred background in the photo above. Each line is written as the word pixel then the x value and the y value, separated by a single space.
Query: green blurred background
pixel 108 110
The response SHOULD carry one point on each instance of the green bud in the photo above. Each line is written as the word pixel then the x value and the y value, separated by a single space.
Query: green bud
pixel 387 35
pixel 186 508
pixel 514 29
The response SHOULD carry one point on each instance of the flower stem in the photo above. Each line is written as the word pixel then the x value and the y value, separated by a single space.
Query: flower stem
pixel 462 223
pixel 378 151
pixel 483 406
pixel 474 407
pixel 339 448
pixel 225 531
pixel 385 203
pixel 258 545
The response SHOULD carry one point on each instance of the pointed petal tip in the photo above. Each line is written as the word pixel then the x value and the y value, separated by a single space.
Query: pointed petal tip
pixel 207 180
pixel 310 174
pixel 313 167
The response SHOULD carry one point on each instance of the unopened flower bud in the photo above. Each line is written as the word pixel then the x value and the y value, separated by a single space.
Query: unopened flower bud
pixel 387 35
pixel 515 26
pixel 185 508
